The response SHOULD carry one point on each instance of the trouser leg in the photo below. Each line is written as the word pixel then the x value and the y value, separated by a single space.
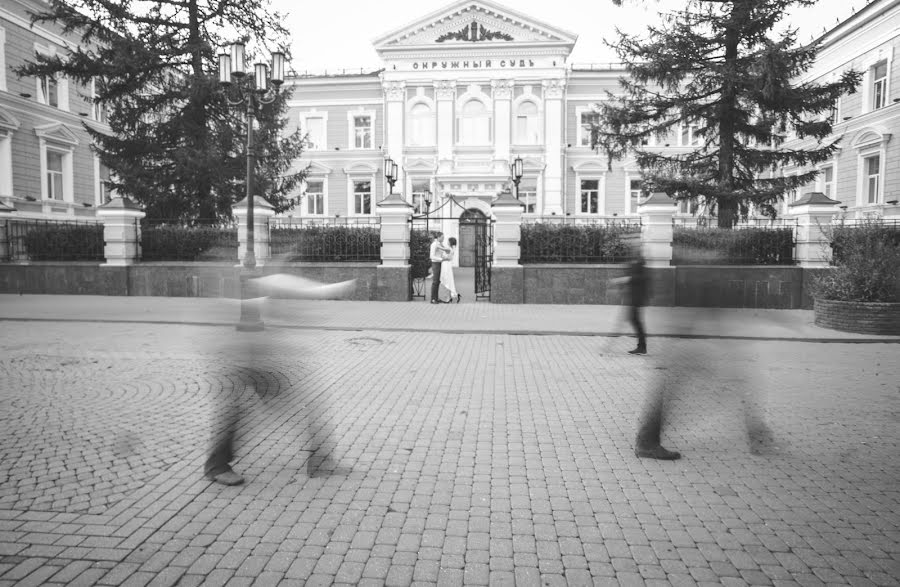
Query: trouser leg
pixel 435 280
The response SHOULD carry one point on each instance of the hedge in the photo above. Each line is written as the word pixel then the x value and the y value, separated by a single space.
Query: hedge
pixel 564 243
pixel 723 246
pixel 167 242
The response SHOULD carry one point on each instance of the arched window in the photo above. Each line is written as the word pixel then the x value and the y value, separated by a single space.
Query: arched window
pixel 421 125
pixel 473 124
pixel 528 130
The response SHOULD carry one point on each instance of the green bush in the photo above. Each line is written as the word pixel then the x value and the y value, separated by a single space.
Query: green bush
pixel 327 243
pixel 565 243
pixel 164 242
pixel 722 246
pixel 63 242
pixel 866 259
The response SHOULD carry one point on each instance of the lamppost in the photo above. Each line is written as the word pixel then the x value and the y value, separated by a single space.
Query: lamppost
pixel 390 173
pixel 237 95
pixel 515 171
pixel 427 200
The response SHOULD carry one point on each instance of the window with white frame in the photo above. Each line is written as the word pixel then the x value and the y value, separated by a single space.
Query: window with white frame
pixel 688 136
pixel 421 191
pixel 872 179
pixel 48 90
pixel 362 131
pixel 104 193
pixel 473 124
pixel 826 181
pixel 315 197
pixel 362 197
pixel 835 112
pixel 528 127
pixel 55 175
pixel 586 122
pixel 314 125
pixel 421 125
pixel 528 194
pixel 2 59
pixel 879 85
pixel 98 110
pixel 589 196
pixel 6 184
pixel 635 187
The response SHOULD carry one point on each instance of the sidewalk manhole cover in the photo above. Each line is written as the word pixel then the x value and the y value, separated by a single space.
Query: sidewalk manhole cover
pixel 365 341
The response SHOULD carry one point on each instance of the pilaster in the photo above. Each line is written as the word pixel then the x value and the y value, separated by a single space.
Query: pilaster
pixel 444 95
pixel 121 219
pixel 656 214
pixel 395 107
pixel 814 212
pixel 502 90
pixel 262 211
pixel 554 91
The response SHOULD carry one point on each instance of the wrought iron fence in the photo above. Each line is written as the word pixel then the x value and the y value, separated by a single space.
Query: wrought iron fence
pixel 172 240
pixel 624 221
pixel 756 242
pixel 326 239
pixel 26 239
pixel 599 240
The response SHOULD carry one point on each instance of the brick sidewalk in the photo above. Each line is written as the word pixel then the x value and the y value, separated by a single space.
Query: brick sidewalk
pixel 456 458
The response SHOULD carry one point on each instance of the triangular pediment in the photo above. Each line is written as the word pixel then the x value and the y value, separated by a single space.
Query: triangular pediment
pixel 420 164
pixel 7 120
pixel 56 132
pixel 474 23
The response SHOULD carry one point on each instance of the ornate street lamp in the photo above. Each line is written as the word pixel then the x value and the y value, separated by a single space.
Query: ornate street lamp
pixel 232 65
pixel 390 173
pixel 427 200
pixel 515 172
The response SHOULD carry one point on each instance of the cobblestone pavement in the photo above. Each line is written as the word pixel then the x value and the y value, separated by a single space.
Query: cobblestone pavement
pixel 455 458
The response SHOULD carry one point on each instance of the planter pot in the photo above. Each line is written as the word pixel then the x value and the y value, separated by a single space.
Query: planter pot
pixel 860 317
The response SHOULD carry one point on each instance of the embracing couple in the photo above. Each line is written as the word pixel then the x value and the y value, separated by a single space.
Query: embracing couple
pixel 442 256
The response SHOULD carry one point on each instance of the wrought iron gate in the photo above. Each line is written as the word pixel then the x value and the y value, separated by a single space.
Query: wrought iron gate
pixel 484 255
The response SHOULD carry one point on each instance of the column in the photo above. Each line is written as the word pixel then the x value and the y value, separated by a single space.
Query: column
pixel 502 90
pixel 656 229
pixel 393 276
pixel 262 212
pixel 553 136
pixel 394 115
pixel 444 95
pixel 813 212
pixel 507 275
pixel 121 231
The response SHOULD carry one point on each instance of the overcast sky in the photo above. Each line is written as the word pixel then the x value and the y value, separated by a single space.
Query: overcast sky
pixel 337 34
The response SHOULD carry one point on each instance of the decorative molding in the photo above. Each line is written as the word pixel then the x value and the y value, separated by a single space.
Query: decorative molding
pixel 445 89
pixel 56 132
pixel 474 32
pixel 503 89
pixel 8 121
pixel 394 91
pixel 554 89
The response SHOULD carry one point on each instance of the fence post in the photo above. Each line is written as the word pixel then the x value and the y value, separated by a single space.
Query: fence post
pixel 121 231
pixel 5 249
pixel 656 229
pixel 262 211
pixel 507 274
pixel 394 275
pixel 813 212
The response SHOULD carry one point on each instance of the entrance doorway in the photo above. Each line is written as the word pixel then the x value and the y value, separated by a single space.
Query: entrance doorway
pixel 471 224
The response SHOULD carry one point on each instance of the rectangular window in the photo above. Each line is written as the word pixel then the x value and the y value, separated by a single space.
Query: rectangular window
pixel 54 175
pixel 689 137
pixel 362 197
pixel 315 197
pixel 828 181
pixel 872 167
pixel 49 90
pixel 315 133
pixel 98 110
pixel 634 194
pixel 879 85
pixel 590 196
pixel 104 188
pixel 588 120
pixel 362 132
pixel 421 192
pixel 528 194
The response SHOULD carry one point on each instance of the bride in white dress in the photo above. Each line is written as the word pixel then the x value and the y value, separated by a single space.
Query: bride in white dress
pixel 447 281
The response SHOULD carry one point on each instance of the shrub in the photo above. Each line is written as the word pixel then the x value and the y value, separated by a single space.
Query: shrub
pixel 745 246
pixel 566 243
pixel 327 243
pixel 866 264
pixel 165 242
pixel 63 242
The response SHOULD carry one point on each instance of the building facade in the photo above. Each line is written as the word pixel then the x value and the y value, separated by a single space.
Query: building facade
pixel 47 167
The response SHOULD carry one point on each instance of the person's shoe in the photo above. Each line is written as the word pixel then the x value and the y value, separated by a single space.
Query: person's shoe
pixel 228 477
pixel 435 302
pixel 656 452
pixel 458 297
pixel 640 350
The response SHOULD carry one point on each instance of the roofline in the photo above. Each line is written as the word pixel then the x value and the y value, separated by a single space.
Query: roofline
pixel 856 20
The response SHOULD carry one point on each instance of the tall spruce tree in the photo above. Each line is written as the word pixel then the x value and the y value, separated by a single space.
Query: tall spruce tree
pixel 176 146
pixel 722 67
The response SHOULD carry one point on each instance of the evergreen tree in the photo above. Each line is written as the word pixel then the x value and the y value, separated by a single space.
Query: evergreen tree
pixel 176 145
pixel 722 67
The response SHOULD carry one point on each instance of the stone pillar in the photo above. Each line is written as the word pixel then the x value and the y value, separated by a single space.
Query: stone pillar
pixel 554 90
pixel 656 229
pixel 814 212
pixel 262 212
pixel 5 212
pixel 507 274
pixel 395 107
pixel 393 276
pixel 502 107
pixel 121 231
pixel 444 95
